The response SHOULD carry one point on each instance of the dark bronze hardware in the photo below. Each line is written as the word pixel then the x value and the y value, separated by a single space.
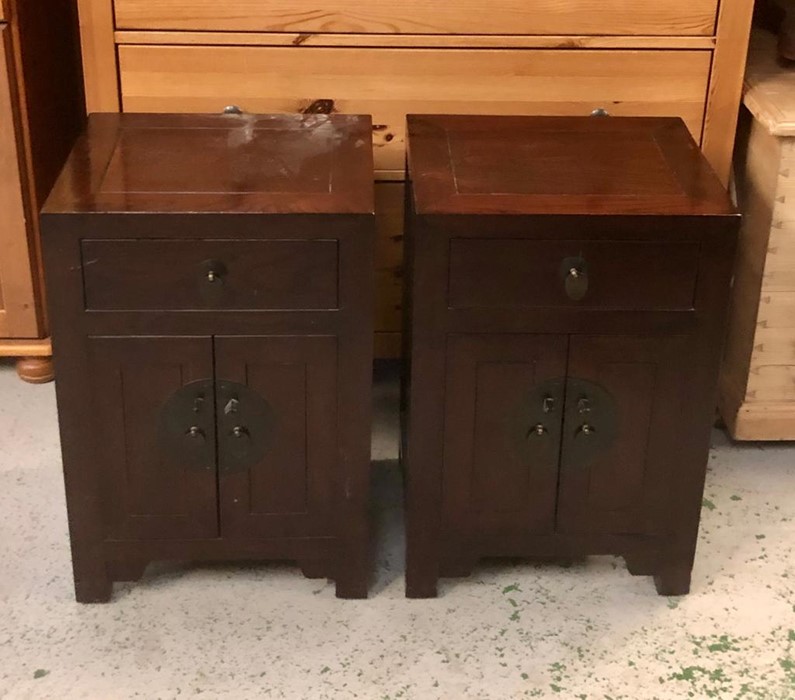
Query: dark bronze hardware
pixel 196 433
pixel 186 430
pixel 574 272
pixel 186 426
pixel 214 271
pixel 600 112
pixel 211 282
pixel 233 109
pixel 245 426
pixel 589 424
pixel 538 430
pixel 534 418
pixel 320 107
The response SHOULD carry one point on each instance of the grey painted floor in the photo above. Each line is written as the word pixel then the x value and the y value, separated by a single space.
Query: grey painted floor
pixel 511 631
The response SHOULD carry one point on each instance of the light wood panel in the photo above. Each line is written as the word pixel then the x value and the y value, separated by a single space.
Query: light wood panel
pixel 17 294
pixel 762 421
pixel 769 90
pixel 99 55
pixel 389 256
pixel 664 17
pixel 771 383
pixel 414 41
pixel 757 175
pixel 25 348
pixel 725 87
pixel 758 378
pixel 389 83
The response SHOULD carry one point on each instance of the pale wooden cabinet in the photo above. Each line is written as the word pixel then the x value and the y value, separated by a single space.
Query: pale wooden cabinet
pixel 41 110
pixel 549 57
pixel 758 379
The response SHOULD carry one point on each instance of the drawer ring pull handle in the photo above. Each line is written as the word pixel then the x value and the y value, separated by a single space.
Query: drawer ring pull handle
pixel 574 272
pixel 214 271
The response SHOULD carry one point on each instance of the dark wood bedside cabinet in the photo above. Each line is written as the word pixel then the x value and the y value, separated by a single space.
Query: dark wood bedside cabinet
pixel 567 290
pixel 211 294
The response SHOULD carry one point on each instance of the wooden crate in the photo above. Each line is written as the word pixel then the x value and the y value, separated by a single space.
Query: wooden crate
pixel 758 382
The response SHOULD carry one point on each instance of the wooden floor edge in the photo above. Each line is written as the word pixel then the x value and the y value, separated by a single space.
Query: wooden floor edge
pixel 25 347
pixel 760 421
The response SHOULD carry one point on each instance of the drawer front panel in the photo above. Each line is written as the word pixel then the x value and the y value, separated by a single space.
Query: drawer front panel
pixel 662 17
pixel 621 275
pixel 390 83
pixel 155 274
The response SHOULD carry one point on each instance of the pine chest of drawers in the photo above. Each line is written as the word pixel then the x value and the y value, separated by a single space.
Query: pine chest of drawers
pixel 547 57
pixel 567 290
pixel 211 298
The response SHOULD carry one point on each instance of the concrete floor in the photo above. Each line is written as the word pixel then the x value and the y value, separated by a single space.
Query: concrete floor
pixel 511 631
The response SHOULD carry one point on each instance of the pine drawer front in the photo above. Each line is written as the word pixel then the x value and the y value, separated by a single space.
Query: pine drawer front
pixel 663 17
pixel 204 274
pixel 390 83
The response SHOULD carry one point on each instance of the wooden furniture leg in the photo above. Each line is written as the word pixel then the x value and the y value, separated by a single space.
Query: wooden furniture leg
pixel 35 370
pixel 673 580
pixel 92 582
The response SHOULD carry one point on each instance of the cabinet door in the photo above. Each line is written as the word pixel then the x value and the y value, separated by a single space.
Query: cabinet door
pixel 502 433
pixel 279 481
pixel 153 489
pixel 625 408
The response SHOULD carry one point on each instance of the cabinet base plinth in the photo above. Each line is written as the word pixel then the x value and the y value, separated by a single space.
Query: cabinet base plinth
pixel 670 580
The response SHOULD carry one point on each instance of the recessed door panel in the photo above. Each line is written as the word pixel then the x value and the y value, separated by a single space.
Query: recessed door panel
pixel 158 461
pixel 625 401
pixel 277 434
pixel 502 432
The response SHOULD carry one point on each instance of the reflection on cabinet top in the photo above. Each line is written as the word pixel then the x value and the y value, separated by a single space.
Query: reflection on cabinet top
pixel 661 17
pixel 575 165
pixel 267 164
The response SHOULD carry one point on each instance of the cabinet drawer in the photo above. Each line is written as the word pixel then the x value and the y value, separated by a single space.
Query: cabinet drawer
pixel 156 274
pixel 662 17
pixel 621 275
pixel 390 83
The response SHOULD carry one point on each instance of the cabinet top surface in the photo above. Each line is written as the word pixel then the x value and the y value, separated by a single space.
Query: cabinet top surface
pixel 560 165
pixel 262 164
